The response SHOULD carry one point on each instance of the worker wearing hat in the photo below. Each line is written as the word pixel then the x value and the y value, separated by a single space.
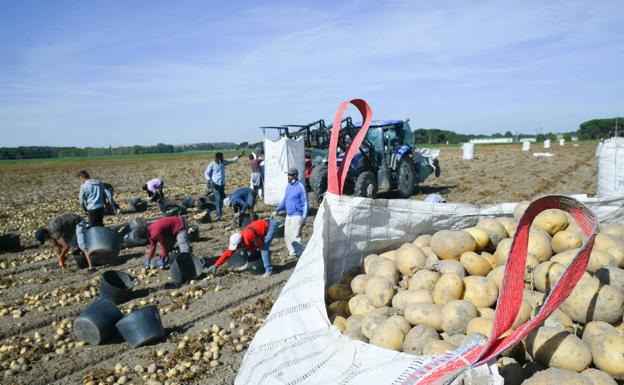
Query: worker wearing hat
pixel 242 201
pixel 296 204
pixel 257 236
pixel 61 227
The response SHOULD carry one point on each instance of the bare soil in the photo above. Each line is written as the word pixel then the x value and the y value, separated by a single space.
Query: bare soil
pixel 47 301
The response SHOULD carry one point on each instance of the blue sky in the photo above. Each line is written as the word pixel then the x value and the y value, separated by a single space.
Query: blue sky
pixel 100 73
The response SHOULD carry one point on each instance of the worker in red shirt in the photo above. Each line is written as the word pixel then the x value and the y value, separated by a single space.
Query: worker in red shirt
pixel 166 231
pixel 256 236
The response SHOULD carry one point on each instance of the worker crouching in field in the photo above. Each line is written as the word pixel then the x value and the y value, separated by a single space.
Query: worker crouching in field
pixel 62 226
pixel 296 204
pixel 242 201
pixel 166 231
pixel 154 190
pixel 257 236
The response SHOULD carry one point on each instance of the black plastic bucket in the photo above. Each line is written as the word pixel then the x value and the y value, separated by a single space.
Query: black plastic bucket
pixel 188 201
pixel 137 223
pixel 116 286
pixel 81 261
pixel 10 241
pixel 204 203
pixel 253 260
pixel 132 239
pixel 193 233
pixel 137 204
pixel 97 322
pixel 142 326
pixel 102 244
pixel 182 209
pixel 185 266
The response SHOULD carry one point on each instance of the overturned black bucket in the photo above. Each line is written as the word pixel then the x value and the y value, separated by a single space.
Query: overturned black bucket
pixel 186 266
pixel 142 326
pixel 103 245
pixel 137 204
pixel 193 233
pixel 97 322
pixel 134 239
pixel 116 286
pixel 81 260
pixel 251 260
pixel 10 241
pixel 188 201
pixel 137 223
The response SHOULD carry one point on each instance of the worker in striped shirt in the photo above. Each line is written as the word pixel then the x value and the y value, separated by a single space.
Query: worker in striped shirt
pixel 296 204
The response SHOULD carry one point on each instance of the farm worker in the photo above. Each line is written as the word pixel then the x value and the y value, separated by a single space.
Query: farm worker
pixel 215 179
pixel 242 200
pixel 154 190
pixel 61 227
pixel 296 204
pixel 166 231
pixel 256 236
pixel 256 181
pixel 435 198
pixel 111 208
pixel 92 198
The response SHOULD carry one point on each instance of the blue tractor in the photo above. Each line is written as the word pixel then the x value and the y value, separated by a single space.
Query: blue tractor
pixel 387 161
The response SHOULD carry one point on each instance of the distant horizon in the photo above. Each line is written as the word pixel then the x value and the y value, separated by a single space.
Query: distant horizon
pixel 99 74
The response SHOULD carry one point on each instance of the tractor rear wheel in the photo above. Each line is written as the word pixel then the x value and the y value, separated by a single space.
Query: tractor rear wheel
pixel 366 185
pixel 407 177
pixel 318 181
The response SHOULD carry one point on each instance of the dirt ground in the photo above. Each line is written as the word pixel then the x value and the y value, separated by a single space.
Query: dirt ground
pixel 39 304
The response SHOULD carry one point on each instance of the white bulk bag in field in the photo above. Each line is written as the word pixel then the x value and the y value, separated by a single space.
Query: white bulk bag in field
pixel 279 156
pixel 610 167
pixel 297 343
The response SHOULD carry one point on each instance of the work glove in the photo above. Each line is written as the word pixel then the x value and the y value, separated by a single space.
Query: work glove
pixel 212 269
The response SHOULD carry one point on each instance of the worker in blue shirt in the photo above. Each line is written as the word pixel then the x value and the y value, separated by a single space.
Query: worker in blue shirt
pixel 296 204
pixel 215 179
pixel 92 199
pixel 242 201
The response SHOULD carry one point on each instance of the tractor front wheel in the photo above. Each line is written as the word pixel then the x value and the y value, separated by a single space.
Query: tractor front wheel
pixel 366 185
pixel 407 177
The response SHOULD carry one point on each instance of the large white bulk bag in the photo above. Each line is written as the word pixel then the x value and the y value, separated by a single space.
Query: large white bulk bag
pixel 279 156
pixel 611 167
pixel 547 143
pixel 297 343
pixel 468 151
pixel 526 145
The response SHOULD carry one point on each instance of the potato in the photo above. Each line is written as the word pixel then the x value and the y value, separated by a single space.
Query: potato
pixel 608 353
pixel 496 275
pixel 371 322
pixel 437 348
pixel 520 209
pixel 424 314
pixel 424 279
pixel 455 316
pixel 354 322
pixel 409 259
pixel 388 335
pixel 495 231
pixel 358 283
pixel 490 258
pixel 390 254
pixel 554 376
pixel 339 292
pixel 611 275
pixel 359 305
pixel 450 266
pixel 509 224
pixel 551 221
pixel 418 337
pixel 592 301
pixel 481 291
pixel 486 312
pixel 598 377
pixel 355 335
pixel 480 325
pixel 612 245
pixel 450 244
pixel 479 235
pixel 432 259
pixel 556 319
pixel 422 240
pixel 474 263
pixel 347 276
pixel 407 297
pixel 387 269
pixel 614 229
pixel 524 314
pixel 565 240
pixel 370 260
pixel 540 244
pixel 340 322
pixel 534 297
pixel 448 288
pixel 502 251
pixel 379 291
pixel 510 370
pixel 546 275
pixel 457 339
pixel 560 349
pixel 596 329
pixel 401 323
pixel 597 259
pixel 340 308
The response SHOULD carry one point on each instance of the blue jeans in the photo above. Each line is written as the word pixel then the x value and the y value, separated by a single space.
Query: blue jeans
pixel 264 250
pixel 219 192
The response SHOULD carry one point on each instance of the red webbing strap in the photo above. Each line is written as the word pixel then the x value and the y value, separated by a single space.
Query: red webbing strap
pixel 511 292
pixel 510 296
pixel 336 177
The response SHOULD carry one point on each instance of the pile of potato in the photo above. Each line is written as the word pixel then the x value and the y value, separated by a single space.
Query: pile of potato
pixel 440 291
